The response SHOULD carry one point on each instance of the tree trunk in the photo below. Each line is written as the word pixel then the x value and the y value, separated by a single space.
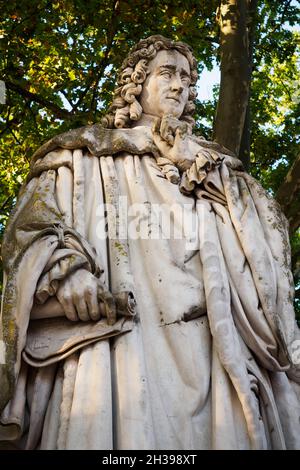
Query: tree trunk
pixel 288 196
pixel 244 152
pixel 236 67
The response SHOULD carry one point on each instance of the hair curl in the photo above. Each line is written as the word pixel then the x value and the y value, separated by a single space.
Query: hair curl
pixel 125 107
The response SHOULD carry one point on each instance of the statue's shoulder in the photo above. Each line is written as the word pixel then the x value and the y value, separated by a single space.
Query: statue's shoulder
pixel 72 139
pixel 100 141
pixel 213 145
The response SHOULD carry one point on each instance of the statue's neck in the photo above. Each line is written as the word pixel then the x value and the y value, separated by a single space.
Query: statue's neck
pixel 145 120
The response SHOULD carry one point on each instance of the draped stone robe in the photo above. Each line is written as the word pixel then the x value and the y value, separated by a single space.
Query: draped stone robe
pixel 207 362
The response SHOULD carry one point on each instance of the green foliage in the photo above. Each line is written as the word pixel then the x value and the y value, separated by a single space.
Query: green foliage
pixel 295 245
pixel 59 61
pixel 275 97
pixel 275 103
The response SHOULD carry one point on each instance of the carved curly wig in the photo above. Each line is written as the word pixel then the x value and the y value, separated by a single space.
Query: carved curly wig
pixel 125 107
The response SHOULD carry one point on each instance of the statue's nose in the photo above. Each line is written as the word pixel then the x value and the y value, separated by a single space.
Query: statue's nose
pixel 176 84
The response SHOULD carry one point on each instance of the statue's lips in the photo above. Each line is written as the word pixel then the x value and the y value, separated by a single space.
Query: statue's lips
pixel 173 98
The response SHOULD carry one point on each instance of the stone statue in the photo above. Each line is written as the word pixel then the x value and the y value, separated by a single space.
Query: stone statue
pixel 148 293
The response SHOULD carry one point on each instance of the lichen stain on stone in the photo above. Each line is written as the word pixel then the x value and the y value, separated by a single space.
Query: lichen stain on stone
pixel 120 248
pixel 11 330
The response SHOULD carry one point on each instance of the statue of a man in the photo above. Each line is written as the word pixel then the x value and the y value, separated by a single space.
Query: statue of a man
pixel 175 331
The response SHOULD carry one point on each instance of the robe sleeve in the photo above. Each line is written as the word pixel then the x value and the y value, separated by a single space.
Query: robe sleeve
pixel 40 247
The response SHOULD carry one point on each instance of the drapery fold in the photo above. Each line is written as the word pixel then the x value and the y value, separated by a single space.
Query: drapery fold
pixel 243 250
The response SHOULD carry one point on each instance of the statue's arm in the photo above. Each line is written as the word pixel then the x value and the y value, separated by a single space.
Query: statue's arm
pixel 39 244
pixel 69 261
pixel 74 273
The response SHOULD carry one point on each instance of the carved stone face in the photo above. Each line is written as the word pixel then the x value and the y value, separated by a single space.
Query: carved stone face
pixel 166 89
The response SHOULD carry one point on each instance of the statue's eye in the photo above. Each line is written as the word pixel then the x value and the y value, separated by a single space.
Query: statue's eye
pixel 166 74
pixel 185 79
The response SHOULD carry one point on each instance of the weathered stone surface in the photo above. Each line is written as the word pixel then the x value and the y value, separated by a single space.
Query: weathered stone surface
pixel 148 294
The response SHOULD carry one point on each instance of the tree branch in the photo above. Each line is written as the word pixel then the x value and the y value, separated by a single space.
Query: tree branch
pixel 59 112
pixel 286 5
pixel 109 44
pixel 99 70
pixel 2 207
pixel 14 136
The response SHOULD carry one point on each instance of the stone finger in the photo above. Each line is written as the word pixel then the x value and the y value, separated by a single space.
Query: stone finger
pixel 65 299
pixel 70 310
pixel 82 309
pixel 93 306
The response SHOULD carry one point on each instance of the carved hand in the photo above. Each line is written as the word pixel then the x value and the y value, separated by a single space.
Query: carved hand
pixel 81 295
pixel 170 135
